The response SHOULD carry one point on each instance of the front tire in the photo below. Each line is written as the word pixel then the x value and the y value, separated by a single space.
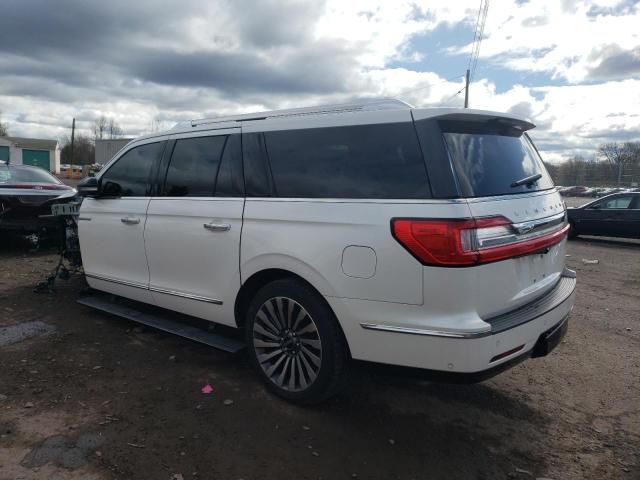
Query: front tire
pixel 295 343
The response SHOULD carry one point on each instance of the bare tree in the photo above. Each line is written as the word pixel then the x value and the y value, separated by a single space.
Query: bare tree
pixel 4 128
pixel 104 127
pixel 158 124
pixel 616 155
pixel 100 127
pixel 113 129
pixel 83 151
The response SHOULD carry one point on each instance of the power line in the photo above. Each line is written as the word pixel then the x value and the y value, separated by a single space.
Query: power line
pixel 454 95
pixel 478 35
pixel 475 34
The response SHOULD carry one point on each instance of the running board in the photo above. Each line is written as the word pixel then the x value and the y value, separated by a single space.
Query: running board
pixel 160 319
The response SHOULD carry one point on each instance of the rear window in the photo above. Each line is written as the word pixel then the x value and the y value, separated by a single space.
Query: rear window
pixel 366 161
pixel 489 158
pixel 11 175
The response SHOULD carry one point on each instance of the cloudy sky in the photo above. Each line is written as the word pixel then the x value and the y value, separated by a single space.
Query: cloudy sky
pixel 571 66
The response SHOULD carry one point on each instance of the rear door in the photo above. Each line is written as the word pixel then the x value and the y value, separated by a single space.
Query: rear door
pixel 111 229
pixel 486 160
pixel 192 236
pixel 609 216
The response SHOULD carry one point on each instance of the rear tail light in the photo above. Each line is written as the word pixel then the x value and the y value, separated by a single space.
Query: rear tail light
pixel 466 242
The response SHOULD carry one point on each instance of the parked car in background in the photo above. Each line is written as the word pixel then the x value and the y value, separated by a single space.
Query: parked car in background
pixel 425 238
pixel 574 191
pixel 616 215
pixel 26 194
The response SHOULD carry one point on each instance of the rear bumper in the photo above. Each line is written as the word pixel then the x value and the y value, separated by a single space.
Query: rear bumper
pixel 532 330
pixel 545 344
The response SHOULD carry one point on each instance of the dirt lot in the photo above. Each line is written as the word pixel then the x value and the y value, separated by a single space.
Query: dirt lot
pixel 99 398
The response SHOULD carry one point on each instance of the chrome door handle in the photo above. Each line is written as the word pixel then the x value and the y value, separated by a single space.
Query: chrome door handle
pixel 130 220
pixel 217 227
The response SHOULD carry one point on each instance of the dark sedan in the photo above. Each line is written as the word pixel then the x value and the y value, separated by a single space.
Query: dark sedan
pixel 26 195
pixel 616 215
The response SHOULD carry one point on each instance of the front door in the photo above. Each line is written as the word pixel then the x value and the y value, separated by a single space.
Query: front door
pixel 111 228
pixel 609 216
pixel 193 227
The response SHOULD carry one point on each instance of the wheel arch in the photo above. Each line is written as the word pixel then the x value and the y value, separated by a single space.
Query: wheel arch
pixel 261 278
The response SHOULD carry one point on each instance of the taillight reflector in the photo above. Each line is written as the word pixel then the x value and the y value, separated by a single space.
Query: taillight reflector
pixel 456 242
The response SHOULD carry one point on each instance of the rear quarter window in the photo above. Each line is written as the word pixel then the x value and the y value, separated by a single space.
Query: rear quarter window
pixel 381 161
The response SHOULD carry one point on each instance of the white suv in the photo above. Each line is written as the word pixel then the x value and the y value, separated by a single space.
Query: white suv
pixel 429 238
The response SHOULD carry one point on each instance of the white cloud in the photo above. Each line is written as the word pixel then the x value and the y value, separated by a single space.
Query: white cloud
pixel 344 50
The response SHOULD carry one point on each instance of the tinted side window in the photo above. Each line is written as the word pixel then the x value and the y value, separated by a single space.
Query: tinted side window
pixel 230 182
pixel 364 161
pixel 132 171
pixel 616 203
pixel 194 166
pixel 257 176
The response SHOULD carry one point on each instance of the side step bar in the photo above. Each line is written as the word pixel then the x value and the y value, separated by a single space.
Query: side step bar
pixel 160 319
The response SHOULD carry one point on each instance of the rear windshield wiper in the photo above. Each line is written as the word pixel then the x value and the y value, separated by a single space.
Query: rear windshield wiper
pixel 528 181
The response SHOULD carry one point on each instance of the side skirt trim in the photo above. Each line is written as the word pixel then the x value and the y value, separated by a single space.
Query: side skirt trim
pixel 142 286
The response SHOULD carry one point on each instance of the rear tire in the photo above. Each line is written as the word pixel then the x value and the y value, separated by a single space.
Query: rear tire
pixel 295 343
pixel 572 231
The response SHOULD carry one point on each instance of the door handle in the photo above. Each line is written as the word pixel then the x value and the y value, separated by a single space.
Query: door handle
pixel 217 227
pixel 130 220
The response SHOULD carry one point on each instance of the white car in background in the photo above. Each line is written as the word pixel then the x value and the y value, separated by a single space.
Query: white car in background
pixel 425 238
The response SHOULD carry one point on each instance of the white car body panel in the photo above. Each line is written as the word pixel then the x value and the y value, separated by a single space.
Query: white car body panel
pixel 198 266
pixel 113 252
pixel 313 234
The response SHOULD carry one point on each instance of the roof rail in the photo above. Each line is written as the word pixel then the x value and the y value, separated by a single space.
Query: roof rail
pixel 368 105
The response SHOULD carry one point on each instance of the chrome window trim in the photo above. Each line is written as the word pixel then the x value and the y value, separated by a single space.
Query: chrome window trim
pixel 461 200
pixel 142 286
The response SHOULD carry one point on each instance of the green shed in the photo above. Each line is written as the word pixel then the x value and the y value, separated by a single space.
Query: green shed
pixel 36 152
pixel 4 153
pixel 36 158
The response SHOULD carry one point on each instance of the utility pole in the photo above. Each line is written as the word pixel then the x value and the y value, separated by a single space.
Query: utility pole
pixel 73 134
pixel 466 91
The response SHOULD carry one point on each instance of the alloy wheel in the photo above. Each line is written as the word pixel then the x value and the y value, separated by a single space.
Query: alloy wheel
pixel 287 344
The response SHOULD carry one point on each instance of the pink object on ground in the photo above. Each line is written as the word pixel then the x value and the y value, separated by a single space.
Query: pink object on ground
pixel 207 389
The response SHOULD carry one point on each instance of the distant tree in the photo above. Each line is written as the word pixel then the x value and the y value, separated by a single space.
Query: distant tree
pixel 83 150
pixel 104 127
pixel 113 129
pixel 617 155
pixel 157 125
pixel 99 127
pixel 4 127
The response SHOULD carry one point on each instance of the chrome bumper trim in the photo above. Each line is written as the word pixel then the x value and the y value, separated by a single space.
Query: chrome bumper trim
pixel 560 293
pixel 420 331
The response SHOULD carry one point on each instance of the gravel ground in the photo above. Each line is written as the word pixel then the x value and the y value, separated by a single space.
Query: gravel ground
pixel 99 398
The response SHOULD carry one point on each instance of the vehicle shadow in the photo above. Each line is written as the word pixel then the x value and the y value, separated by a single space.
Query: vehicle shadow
pixel 630 243
pixel 448 430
